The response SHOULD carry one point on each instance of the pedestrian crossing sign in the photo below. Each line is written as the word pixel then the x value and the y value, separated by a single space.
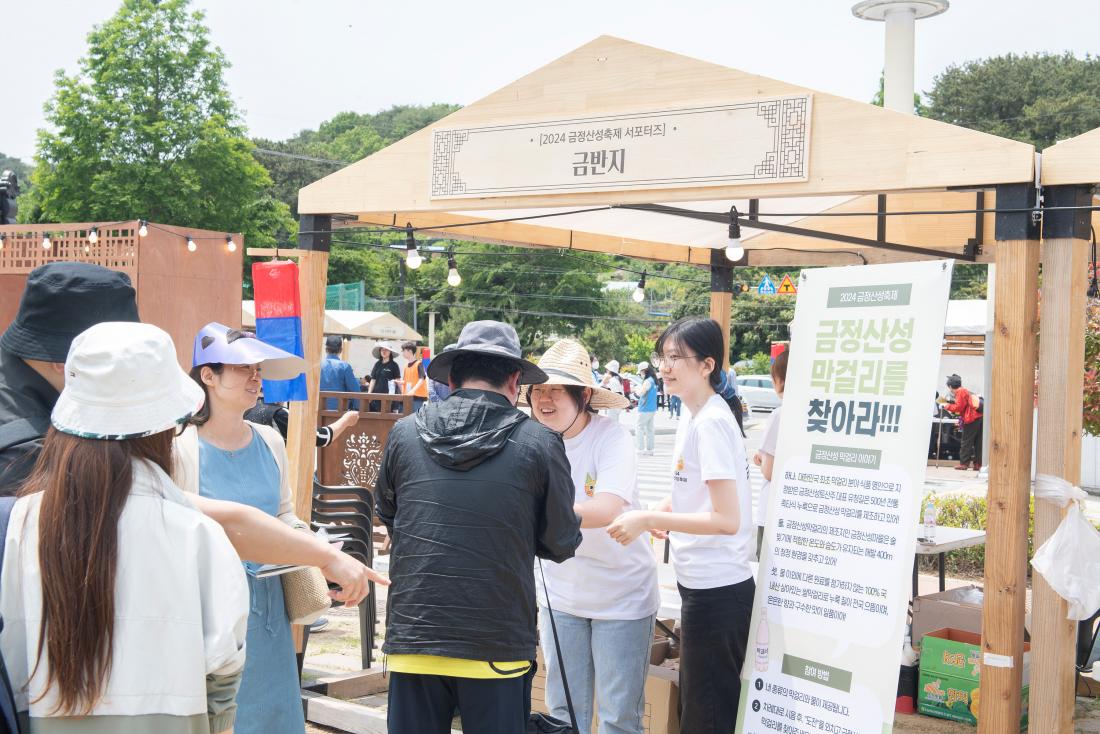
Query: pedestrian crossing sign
pixel 766 287
pixel 787 286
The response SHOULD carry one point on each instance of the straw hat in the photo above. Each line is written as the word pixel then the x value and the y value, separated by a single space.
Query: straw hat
pixel 568 363
pixel 122 381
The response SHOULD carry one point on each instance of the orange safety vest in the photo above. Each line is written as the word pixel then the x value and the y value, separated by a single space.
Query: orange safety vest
pixel 412 376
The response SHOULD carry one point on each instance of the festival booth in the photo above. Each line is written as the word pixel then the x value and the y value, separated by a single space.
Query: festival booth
pixel 625 149
pixel 185 278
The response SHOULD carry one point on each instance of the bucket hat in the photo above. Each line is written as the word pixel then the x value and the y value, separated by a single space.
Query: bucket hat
pixel 491 339
pixel 567 363
pixel 61 300
pixel 122 381
pixel 612 366
pixel 218 343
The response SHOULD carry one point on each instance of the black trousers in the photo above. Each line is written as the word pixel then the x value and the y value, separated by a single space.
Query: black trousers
pixel 714 633
pixel 971 450
pixel 425 704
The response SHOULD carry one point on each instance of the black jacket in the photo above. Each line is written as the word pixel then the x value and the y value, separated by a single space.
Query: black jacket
pixel 471 491
pixel 26 400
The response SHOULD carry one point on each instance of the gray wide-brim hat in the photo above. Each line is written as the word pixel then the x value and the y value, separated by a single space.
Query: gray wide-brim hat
pixel 376 350
pixel 489 339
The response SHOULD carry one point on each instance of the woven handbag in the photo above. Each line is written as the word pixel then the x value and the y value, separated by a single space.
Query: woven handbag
pixel 305 593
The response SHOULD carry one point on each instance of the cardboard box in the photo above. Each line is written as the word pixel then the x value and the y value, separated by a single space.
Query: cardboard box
pixel 950 675
pixel 959 609
pixel 662 695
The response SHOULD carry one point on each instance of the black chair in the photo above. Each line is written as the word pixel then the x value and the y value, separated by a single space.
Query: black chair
pixel 354 518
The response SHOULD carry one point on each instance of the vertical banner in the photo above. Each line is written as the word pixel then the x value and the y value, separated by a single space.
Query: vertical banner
pixel 279 321
pixel 832 593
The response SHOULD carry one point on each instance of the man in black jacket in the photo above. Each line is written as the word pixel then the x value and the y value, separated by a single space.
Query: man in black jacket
pixel 471 491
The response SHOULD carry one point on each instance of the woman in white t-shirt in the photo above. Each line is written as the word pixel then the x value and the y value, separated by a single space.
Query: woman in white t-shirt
pixel 765 456
pixel 605 597
pixel 709 519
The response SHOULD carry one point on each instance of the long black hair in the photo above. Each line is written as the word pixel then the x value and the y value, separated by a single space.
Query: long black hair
pixel 700 335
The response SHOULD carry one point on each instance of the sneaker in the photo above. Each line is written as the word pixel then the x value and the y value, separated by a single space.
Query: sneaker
pixel 977 467
pixel 962 467
pixel 319 625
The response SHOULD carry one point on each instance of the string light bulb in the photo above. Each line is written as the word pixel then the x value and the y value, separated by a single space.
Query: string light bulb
pixel 143 229
pixel 87 249
pixel 230 244
pixel 191 246
pixel 93 236
pixel 46 244
pixel 412 255
pixel 639 292
pixel 453 277
pixel 734 250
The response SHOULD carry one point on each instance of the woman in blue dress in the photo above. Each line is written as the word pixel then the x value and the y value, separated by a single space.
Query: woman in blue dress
pixel 225 457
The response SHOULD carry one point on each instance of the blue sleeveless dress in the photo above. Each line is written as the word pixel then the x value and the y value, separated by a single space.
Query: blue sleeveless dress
pixel 269 700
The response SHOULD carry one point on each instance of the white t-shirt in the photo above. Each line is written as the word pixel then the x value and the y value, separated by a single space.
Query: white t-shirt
pixel 771 437
pixel 615 385
pixel 708 447
pixel 604 580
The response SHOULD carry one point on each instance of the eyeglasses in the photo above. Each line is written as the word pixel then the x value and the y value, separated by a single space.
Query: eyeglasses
pixel 248 371
pixel 554 393
pixel 670 360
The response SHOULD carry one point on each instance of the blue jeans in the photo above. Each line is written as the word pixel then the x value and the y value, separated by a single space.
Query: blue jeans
pixel 674 403
pixel 609 655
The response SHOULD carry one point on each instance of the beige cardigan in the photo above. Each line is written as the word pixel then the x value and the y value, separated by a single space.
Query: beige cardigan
pixel 185 469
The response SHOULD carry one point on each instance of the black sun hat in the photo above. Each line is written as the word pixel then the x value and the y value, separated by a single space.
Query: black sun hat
pixel 491 339
pixel 60 301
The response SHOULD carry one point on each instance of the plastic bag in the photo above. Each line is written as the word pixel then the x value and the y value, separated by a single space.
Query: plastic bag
pixel 1070 559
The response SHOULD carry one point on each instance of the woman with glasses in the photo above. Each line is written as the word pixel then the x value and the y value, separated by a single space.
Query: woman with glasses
pixel 605 597
pixel 224 457
pixel 709 522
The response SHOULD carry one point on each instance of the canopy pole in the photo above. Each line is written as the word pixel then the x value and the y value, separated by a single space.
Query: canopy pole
pixel 721 298
pixel 1058 450
pixel 301 439
pixel 1011 409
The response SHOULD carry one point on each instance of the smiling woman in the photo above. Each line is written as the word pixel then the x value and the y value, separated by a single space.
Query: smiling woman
pixel 245 462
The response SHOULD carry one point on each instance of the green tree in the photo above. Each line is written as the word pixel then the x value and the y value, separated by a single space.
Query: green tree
pixel 879 100
pixel 344 139
pixel 1035 98
pixel 146 129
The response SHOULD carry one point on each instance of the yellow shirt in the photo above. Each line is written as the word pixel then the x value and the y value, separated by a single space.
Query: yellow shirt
pixel 455 667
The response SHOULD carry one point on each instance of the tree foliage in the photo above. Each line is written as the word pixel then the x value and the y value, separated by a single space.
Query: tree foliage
pixel 146 129
pixel 1035 98
pixel 344 139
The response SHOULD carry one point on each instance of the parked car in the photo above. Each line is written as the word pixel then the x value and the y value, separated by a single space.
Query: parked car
pixel 758 392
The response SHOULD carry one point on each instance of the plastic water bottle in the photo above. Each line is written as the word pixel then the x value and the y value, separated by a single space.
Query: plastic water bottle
pixel 929 522
pixel 762 641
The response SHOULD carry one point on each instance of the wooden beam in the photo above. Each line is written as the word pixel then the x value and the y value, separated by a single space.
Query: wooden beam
pixel 720 307
pixel 1058 449
pixel 1073 161
pixel 1011 408
pixel 274 251
pixel 302 428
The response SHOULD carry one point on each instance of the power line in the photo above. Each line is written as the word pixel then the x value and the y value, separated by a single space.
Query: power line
pixel 298 157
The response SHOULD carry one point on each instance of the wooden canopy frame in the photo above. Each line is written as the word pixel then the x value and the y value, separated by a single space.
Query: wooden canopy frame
pixel 859 154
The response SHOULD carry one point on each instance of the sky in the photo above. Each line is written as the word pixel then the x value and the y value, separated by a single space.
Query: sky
pixel 296 63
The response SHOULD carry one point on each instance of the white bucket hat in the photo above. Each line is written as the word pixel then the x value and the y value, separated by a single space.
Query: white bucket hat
pixel 568 363
pixel 612 366
pixel 122 381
